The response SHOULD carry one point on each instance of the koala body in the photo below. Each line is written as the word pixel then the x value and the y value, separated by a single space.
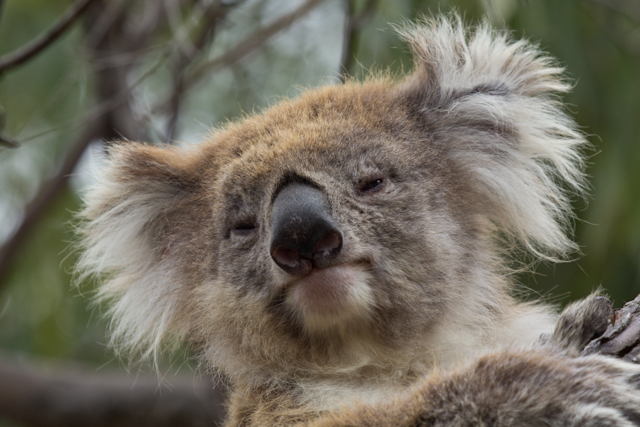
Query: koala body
pixel 340 258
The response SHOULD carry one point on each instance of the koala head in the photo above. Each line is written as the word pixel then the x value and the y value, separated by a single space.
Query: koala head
pixel 340 228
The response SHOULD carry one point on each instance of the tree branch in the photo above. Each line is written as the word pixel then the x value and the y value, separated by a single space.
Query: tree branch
pixel 110 119
pixel 47 194
pixel 37 45
pixel 76 397
pixel 7 141
pixel 211 16
pixel 4 139
pixel 630 12
pixel 251 43
pixel 351 41
pixel 622 337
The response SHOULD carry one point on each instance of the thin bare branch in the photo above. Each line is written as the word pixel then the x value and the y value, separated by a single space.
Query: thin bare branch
pixel 4 139
pixel 110 16
pixel 242 49
pixel 352 30
pixel 210 18
pixel 251 43
pixel 37 45
pixel 98 125
pixel 116 99
pixel 110 119
pixel 630 10
pixel 95 120
pixel 48 192
pixel 8 141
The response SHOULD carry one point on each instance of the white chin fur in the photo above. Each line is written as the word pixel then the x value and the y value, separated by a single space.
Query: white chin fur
pixel 332 297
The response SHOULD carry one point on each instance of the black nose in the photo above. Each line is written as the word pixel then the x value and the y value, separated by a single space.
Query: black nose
pixel 304 234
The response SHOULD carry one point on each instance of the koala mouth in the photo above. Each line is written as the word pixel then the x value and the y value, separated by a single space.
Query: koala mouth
pixel 333 296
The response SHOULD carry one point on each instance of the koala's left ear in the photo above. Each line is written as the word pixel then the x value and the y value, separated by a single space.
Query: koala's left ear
pixel 133 216
pixel 490 104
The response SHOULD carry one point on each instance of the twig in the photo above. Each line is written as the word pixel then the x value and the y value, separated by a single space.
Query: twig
pixel 110 15
pixel 8 141
pixel 99 124
pixel 247 46
pixel 37 45
pixel 628 12
pixel 352 28
pixel 98 127
pixel 212 15
pixel 251 43
pixel 117 99
pixel 48 192
pixel 4 139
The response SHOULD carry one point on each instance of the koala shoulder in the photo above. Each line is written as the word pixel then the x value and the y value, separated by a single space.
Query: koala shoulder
pixel 507 389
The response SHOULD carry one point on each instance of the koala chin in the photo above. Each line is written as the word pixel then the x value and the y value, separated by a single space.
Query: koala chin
pixel 341 259
pixel 332 297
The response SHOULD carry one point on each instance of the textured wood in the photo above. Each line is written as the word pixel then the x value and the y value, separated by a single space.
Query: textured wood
pixel 622 337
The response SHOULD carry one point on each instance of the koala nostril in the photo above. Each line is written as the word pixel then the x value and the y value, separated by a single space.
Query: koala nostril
pixel 285 257
pixel 329 244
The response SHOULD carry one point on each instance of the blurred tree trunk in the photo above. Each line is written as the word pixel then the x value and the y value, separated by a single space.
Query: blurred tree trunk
pixel 74 397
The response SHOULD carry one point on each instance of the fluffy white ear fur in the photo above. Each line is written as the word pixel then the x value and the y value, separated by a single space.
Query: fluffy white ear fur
pixel 494 109
pixel 134 192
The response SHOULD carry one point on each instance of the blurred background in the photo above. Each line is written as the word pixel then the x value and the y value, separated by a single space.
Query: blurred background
pixel 74 74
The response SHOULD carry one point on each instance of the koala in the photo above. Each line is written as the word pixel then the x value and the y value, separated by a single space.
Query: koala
pixel 341 259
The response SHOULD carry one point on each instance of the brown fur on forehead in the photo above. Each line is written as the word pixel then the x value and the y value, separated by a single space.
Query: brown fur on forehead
pixel 347 114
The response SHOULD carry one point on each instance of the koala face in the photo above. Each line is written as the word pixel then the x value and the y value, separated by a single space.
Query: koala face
pixel 344 228
pixel 336 221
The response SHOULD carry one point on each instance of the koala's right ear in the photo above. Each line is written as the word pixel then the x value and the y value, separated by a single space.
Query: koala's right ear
pixel 490 104
pixel 133 217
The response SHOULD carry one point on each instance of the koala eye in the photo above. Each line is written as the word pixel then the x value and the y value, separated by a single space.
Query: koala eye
pixel 244 229
pixel 371 186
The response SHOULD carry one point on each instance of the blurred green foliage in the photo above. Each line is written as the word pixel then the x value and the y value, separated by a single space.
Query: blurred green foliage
pixel 41 313
pixel 598 41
